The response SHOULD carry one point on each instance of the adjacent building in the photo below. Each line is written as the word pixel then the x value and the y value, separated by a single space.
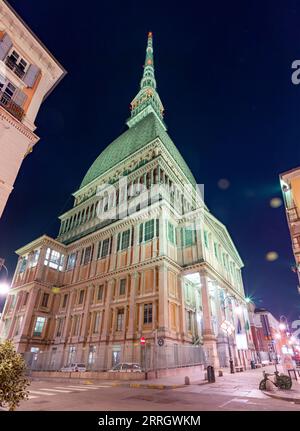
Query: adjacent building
pixel 138 255
pixel 28 73
pixel 290 185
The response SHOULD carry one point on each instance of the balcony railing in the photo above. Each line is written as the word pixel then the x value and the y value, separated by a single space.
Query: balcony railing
pixel 16 68
pixel 293 214
pixel 11 106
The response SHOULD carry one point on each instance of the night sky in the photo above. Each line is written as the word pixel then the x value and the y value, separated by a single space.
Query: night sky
pixel 223 71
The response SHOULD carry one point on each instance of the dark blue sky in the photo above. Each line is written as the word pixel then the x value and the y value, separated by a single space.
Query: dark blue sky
pixel 224 76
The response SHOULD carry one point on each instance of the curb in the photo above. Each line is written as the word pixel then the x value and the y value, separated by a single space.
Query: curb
pixel 282 397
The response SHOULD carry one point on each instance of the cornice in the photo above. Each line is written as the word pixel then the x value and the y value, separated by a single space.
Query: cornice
pixel 9 118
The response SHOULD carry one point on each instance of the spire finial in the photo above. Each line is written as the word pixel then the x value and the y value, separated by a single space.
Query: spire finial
pixel 147 100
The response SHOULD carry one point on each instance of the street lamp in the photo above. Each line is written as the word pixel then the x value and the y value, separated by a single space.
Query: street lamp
pixel 228 328
pixel 4 286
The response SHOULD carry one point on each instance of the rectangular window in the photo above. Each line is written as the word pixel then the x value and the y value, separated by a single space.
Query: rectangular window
pixel 189 320
pixel 216 250
pixel 147 313
pixel 76 324
pixel 26 298
pixel 171 233
pixel 13 301
pixel 188 237
pixel 34 258
pixel 122 286
pixel 81 296
pixel 100 293
pixel 39 325
pixel 16 63
pixel 87 255
pixel 18 325
pixel 59 327
pixel 92 355
pixel 205 239
pixel 23 264
pixel 149 230
pixel 120 319
pixel 65 301
pixel 105 247
pixel 125 239
pixel 141 230
pixel 96 323
pixel 45 300
pixel 71 261
pixel 119 241
pixel 54 259
pixel 71 355
pixel 99 250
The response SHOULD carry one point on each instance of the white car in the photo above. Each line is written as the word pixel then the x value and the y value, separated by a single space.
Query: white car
pixel 81 368
pixel 126 367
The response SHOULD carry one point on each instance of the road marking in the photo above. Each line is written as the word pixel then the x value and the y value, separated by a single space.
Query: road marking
pixel 55 390
pixel 41 393
pixel 82 387
pixel 70 387
pixel 235 400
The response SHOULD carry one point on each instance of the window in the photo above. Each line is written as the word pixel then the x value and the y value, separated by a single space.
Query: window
pixel 71 355
pixel 216 250
pixel 81 296
pixel 13 301
pixel 149 230
pixel 71 261
pixel 23 264
pixel 96 323
pixel 16 63
pixel 59 326
pixel 34 258
pixel 25 298
pixel 189 320
pixel 120 319
pixel 188 237
pixel 76 322
pixel 7 89
pixel 205 239
pixel 100 293
pixel 171 233
pixel 54 259
pixel 45 300
pixel 148 313
pixel 18 325
pixel 87 255
pixel 125 239
pixel 122 286
pixel 39 325
pixel 65 301
pixel 141 232
pixel 92 355
pixel 105 247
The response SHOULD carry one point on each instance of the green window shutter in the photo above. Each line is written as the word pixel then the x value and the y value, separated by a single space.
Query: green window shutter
pixel 157 227
pixel 125 239
pixel 205 239
pixel 119 241
pixel 149 230
pixel 141 233
pixel 181 237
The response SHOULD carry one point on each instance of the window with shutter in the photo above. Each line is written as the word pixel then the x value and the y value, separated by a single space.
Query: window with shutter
pixel 31 75
pixel 5 46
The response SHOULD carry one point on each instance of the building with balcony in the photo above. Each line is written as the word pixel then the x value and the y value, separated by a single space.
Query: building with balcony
pixel 138 255
pixel 290 186
pixel 28 73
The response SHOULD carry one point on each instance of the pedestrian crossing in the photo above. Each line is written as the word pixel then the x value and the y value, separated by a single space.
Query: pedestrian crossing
pixel 67 389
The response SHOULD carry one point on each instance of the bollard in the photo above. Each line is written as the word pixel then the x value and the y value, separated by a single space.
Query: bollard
pixel 187 380
pixel 220 373
pixel 211 374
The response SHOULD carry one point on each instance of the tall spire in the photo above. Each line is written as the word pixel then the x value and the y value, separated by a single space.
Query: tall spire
pixel 147 100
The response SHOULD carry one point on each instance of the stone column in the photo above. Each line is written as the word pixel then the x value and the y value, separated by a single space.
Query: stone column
pixel 209 338
pixel 162 234
pixel 109 295
pixel 84 329
pixel 182 305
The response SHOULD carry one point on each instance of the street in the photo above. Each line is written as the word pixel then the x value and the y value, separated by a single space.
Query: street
pixel 230 392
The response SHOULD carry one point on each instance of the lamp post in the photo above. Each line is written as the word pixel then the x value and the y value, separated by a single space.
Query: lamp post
pixel 228 328
pixel 4 286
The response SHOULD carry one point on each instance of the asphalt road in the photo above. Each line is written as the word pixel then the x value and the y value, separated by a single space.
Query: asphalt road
pixel 48 395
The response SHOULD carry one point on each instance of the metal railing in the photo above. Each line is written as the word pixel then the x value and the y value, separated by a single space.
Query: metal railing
pixel 11 106
pixel 149 357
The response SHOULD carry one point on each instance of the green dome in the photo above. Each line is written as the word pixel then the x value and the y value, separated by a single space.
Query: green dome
pixel 135 138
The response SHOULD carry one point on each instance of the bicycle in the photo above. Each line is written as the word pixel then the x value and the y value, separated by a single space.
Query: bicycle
pixel 281 381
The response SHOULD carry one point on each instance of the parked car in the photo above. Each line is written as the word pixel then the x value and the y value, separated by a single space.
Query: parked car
pixel 126 367
pixel 81 368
